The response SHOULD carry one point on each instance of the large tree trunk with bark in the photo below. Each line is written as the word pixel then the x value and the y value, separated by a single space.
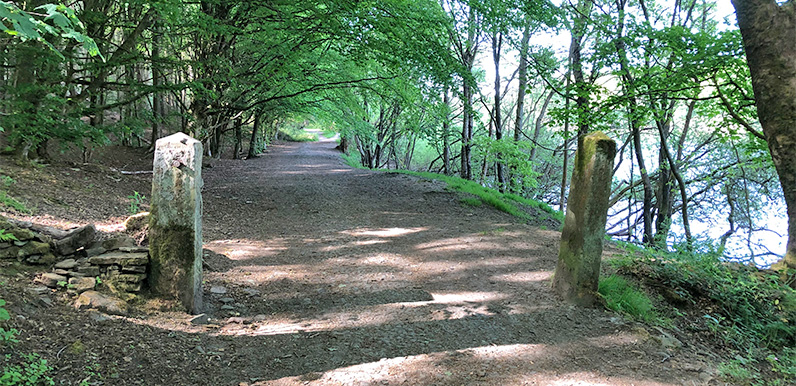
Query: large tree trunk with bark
pixel 768 35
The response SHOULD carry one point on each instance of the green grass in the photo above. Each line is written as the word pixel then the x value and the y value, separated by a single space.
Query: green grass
pixel 621 297
pixel 500 201
pixel 291 134
pixel 352 160
pixel 471 201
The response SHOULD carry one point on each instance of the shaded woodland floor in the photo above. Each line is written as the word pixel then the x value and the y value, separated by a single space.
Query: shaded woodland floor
pixel 320 274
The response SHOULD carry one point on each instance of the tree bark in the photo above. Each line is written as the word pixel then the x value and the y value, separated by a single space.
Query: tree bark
pixel 252 153
pixel 767 29
pixel 497 44
pixel 635 122
pixel 157 97
pixel 446 141
pixel 238 139
pixel 538 125
pixel 523 82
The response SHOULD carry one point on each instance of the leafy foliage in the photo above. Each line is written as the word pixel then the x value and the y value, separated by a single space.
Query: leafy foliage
pixel 754 307
pixel 58 20
pixel 621 297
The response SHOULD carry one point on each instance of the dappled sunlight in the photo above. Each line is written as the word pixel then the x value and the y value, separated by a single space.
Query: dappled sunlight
pixel 463 244
pixel 443 307
pixel 243 249
pixel 524 277
pixel 358 243
pixel 466 297
pixel 532 364
pixel 386 259
pixel 439 267
pixel 383 232
pixel 109 225
pixel 312 172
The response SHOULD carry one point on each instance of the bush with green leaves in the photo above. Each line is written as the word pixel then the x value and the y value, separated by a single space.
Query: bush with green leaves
pixel 752 311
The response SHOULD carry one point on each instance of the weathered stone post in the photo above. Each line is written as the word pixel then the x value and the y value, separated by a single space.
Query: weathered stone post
pixel 175 223
pixel 578 269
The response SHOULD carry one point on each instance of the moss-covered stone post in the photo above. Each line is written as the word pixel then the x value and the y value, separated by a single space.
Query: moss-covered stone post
pixel 175 223
pixel 578 270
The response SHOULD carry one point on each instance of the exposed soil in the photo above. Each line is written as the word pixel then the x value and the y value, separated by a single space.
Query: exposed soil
pixel 320 274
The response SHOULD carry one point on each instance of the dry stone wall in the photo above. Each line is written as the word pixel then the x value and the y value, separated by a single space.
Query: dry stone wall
pixel 79 262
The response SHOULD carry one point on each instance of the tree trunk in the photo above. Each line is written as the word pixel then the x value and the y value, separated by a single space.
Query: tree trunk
pixel 157 97
pixel 767 30
pixel 635 123
pixel 467 132
pixel 497 44
pixel 238 139
pixel 523 81
pixel 252 153
pixel 446 142
pixel 538 126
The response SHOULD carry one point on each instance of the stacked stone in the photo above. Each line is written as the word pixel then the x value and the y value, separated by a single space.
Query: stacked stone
pixel 124 270
pixel 26 246
pixel 78 260
pixel 119 266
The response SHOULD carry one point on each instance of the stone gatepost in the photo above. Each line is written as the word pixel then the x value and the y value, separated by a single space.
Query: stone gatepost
pixel 175 224
pixel 578 270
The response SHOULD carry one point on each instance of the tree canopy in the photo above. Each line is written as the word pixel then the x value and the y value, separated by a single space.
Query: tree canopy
pixel 493 91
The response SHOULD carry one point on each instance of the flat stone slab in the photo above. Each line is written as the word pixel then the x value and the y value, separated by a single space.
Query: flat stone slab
pixel 107 304
pixel 218 290
pixel 66 264
pixel 51 279
pixel 120 258
pixel 82 284
pixel 134 249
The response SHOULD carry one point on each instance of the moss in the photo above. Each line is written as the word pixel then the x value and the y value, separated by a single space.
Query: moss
pixel 172 258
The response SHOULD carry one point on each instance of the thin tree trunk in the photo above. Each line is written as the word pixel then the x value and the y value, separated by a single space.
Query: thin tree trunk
pixel 446 142
pixel 252 153
pixel 238 139
pixel 523 82
pixel 157 97
pixel 635 124
pixel 497 44
pixel 538 126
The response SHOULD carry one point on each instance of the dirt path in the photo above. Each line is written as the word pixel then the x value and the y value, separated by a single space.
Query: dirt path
pixel 320 274
pixel 346 276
